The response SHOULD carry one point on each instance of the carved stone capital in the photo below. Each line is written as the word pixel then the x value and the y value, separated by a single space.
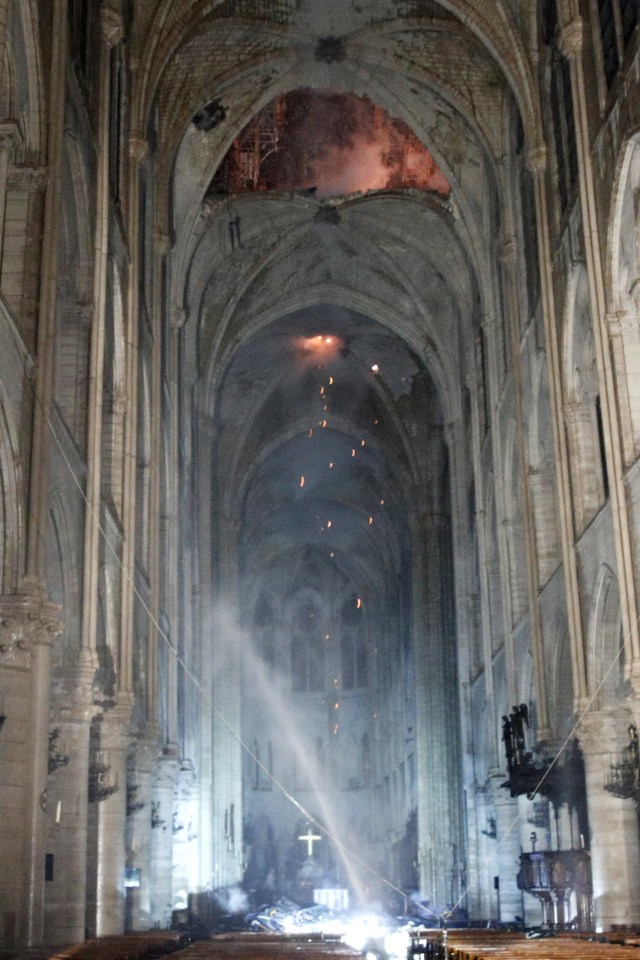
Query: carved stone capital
pixel 623 324
pixel 72 699
pixel 78 314
pixel 508 251
pixel 115 726
pixel 179 316
pixel 536 159
pixel 571 38
pixel 146 752
pixel 27 178
pixel 26 621
pixel 161 243
pixel 111 26
pixel 138 149
pixel 10 135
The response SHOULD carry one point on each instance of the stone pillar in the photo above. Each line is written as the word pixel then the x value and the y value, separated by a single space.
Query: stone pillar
pixel 481 857
pixel 9 136
pixel 139 793
pixel 65 907
pixel 161 862
pixel 437 711
pixel 537 162
pixel 182 834
pixel 572 45
pixel 111 822
pixel 510 268
pixel 507 851
pixel 615 843
pixel 27 629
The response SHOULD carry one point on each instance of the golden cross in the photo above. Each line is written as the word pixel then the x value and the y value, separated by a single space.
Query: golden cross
pixel 310 838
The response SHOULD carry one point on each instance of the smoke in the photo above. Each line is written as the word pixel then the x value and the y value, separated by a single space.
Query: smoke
pixel 232 899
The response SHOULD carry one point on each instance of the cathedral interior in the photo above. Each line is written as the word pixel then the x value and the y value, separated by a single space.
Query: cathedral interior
pixel 319 459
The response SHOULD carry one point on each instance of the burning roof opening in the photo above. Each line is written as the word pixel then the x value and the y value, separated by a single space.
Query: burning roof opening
pixel 331 144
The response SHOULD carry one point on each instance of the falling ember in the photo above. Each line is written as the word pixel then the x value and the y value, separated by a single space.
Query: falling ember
pixel 322 391
pixel 335 683
pixel 331 465
pixel 329 524
pixel 362 443
pixel 325 408
pixel 336 727
pixel 327 636
pixel 382 503
pixel 375 368
pixel 310 433
pixel 353 453
pixel 370 520
pixel 376 422
pixel 330 381
pixel 324 423
pixel 336 705
pixel 358 603
pixel 301 482
pixel 332 554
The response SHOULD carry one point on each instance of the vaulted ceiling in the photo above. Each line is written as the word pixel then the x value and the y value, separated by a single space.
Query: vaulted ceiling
pixel 392 275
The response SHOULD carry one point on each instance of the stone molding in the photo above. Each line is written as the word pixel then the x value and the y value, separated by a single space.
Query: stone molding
pixel 27 178
pixel 24 622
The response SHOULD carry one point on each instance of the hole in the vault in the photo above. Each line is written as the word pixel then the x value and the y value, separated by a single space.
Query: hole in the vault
pixel 327 144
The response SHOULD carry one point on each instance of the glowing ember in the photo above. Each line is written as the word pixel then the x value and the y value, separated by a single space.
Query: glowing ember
pixel 331 466
pixel 353 453
pixel 329 523
pixel 375 368
pixel 370 520
pixel 319 346
pixel 358 603
pixel 331 381
pixel 310 433
pixel 324 424
pixel 301 481
pixel 362 443
pixel 382 503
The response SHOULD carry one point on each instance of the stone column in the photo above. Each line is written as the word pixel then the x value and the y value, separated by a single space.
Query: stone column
pixel 111 822
pixel 507 850
pixel 510 268
pixel 65 908
pixel 27 630
pixel 9 137
pixel 161 861
pixel 615 843
pixel 139 794
pixel 437 711
pixel 572 43
pixel 182 833
pixel 110 32
pixel 537 162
